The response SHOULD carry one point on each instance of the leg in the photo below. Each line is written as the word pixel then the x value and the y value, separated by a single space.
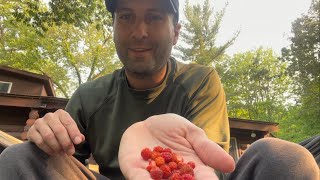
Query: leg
pixel 27 161
pixel 272 158
pixel 313 145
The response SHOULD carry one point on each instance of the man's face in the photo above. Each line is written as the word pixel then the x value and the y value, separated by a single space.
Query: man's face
pixel 144 34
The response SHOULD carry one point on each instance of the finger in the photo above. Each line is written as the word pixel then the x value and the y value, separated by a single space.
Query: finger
pixel 62 136
pixel 35 137
pixel 46 132
pixel 71 127
pixel 30 122
pixel 208 151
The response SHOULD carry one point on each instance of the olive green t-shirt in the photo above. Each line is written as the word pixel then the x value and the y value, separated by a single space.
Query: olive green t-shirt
pixel 104 108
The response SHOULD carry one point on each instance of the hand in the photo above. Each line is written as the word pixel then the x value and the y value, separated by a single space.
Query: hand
pixel 56 133
pixel 177 133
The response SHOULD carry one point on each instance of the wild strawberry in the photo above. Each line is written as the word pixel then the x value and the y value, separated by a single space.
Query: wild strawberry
pixel 175 176
pixel 155 154
pixel 192 164
pixel 156 173
pixel 177 158
pixel 146 153
pixel 176 171
pixel 166 156
pixel 180 164
pixel 158 149
pixel 173 165
pixel 167 150
pixel 152 162
pixel 151 165
pixel 159 161
pixel 166 171
pixel 186 169
pixel 187 177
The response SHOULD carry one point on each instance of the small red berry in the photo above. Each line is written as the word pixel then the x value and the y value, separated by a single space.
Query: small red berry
pixel 146 153
pixel 167 150
pixel 151 165
pixel 158 149
pixel 187 177
pixel 152 162
pixel 186 169
pixel 180 164
pixel 173 165
pixel 156 173
pixel 192 164
pixel 175 176
pixel 159 161
pixel 155 154
pixel 175 171
pixel 166 171
pixel 167 156
pixel 177 158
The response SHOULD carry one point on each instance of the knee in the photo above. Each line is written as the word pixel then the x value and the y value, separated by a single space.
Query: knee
pixel 21 151
pixel 278 147
pixel 285 154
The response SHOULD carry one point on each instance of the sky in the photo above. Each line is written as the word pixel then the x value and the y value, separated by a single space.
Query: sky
pixel 265 23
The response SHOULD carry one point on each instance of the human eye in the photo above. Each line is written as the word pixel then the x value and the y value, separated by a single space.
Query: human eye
pixel 125 17
pixel 153 18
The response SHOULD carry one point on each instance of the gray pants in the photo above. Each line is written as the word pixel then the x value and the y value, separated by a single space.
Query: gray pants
pixel 265 159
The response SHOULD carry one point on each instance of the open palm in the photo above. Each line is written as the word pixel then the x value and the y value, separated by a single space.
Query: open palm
pixel 177 133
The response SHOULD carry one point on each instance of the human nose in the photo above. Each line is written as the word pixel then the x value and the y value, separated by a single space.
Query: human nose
pixel 140 31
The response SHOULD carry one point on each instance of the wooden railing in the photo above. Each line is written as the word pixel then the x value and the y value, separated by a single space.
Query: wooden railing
pixel 8 140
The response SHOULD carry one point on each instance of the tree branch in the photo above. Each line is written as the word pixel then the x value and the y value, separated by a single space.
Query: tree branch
pixel 60 87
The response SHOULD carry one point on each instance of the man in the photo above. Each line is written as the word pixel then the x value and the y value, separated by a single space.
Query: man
pixel 151 83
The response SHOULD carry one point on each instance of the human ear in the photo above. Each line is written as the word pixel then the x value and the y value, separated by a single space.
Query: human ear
pixel 176 30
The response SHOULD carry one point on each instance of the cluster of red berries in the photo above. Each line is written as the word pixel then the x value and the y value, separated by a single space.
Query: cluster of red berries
pixel 165 164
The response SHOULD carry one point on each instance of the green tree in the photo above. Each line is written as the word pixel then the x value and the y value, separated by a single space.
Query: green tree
pixel 303 57
pixel 68 52
pixel 201 33
pixel 256 84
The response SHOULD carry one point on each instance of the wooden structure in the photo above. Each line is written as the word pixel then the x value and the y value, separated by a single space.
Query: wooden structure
pixel 244 132
pixel 23 96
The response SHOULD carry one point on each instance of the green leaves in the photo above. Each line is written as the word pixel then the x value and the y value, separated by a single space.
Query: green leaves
pixel 69 41
pixel 304 68
pixel 255 83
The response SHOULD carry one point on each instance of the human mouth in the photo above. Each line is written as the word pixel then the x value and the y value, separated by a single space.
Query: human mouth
pixel 140 49
pixel 140 52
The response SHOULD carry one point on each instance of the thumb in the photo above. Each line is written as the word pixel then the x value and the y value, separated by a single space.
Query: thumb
pixel 208 151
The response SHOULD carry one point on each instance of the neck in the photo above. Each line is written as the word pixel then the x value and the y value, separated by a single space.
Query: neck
pixel 146 81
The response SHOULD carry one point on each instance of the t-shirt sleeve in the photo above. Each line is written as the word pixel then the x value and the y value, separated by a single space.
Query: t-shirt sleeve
pixel 75 109
pixel 207 109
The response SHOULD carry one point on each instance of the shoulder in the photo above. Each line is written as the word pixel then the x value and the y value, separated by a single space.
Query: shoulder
pixel 195 75
pixel 102 86
pixel 91 95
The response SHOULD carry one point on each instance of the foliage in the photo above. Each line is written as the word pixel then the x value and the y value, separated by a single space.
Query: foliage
pixel 303 53
pixel 200 35
pixel 255 83
pixel 303 57
pixel 70 51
